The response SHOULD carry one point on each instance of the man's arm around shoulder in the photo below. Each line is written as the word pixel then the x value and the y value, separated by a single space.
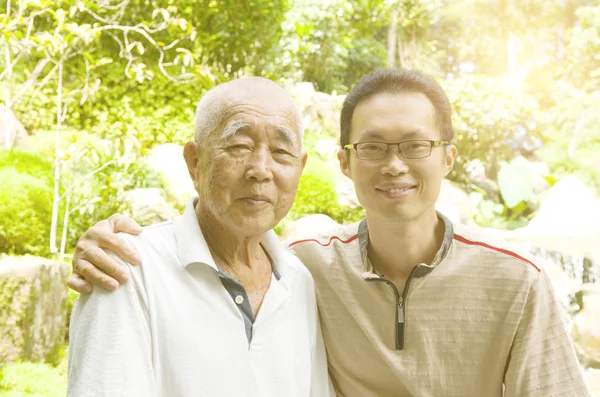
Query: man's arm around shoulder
pixel 110 349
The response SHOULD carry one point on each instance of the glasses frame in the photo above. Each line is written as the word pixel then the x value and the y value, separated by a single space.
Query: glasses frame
pixel 433 144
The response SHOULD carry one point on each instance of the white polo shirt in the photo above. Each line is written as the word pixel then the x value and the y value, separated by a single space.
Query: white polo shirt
pixel 174 331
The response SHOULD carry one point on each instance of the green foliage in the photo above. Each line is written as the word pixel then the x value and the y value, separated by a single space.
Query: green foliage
pixel 516 183
pixel 582 66
pixel 163 114
pixel 492 121
pixel 517 202
pixel 571 133
pixel 321 39
pixel 98 172
pixel 317 195
pixel 235 35
pixel 25 203
pixel 33 380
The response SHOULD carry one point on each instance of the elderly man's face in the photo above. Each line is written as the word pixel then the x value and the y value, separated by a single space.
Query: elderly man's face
pixel 248 172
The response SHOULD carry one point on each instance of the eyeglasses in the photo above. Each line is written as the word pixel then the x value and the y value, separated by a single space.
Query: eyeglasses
pixel 417 149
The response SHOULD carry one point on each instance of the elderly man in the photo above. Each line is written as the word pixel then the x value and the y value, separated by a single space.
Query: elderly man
pixel 217 308
pixel 412 305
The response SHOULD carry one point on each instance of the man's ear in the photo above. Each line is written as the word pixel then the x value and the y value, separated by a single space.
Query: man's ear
pixel 303 158
pixel 451 152
pixel 342 156
pixel 190 155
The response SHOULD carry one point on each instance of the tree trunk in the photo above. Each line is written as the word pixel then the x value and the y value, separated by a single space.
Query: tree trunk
pixel 8 127
pixel 57 160
pixel 392 38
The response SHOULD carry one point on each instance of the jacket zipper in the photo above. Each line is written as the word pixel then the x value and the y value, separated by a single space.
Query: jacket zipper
pixel 400 306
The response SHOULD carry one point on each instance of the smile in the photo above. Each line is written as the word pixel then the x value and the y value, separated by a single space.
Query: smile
pixel 396 190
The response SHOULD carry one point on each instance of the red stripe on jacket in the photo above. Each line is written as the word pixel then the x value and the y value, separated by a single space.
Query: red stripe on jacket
pixel 504 251
pixel 325 245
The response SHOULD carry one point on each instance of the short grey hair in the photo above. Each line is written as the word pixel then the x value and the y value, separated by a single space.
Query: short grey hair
pixel 213 104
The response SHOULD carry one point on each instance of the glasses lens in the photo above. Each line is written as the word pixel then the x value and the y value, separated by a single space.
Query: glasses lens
pixel 371 151
pixel 415 149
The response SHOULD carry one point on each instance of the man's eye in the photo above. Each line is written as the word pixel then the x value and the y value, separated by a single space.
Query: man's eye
pixel 281 151
pixel 417 146
pixel 239 148
pixel 374 148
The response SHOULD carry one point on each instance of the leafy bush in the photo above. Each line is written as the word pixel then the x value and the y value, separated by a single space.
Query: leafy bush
pixel 154 112
pixel 25 203
pixel 317 195
pixel 320 39
pixel 98 172
pixel 492 121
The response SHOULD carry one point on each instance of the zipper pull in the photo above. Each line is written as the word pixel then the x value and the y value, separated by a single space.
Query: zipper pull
pixel 400 311
pixel 400 326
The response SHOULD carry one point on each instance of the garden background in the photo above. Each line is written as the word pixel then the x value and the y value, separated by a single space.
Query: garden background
pixel 99 95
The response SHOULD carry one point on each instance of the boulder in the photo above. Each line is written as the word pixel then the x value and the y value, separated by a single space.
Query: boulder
pixel 321 111
pixel 568 221
pixel 454 203
pixel 168 161
pixel 148 206
pixel 33 308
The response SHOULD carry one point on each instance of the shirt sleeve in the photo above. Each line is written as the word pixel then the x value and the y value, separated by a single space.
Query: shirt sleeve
pixel 110 350
pixel 321 385
pixel 542 361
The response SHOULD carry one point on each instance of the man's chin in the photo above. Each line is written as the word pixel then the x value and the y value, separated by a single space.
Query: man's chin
pixel 254 226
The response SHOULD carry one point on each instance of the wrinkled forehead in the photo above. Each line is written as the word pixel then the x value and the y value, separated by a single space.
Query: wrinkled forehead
pixel 274 115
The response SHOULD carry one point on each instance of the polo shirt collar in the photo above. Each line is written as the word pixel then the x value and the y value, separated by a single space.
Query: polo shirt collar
pixel 192 246
pixel 423 269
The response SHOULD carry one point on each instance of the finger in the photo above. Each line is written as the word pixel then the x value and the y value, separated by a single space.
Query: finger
pixel 119 246
pixel 104 262
pixel 79 284
pixel 95 276
pixel 122 223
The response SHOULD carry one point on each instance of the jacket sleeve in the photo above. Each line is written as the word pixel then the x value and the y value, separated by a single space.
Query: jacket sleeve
pixel 542 362
pixel 110 350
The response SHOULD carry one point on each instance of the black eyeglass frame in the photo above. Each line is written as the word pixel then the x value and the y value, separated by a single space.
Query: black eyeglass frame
pixel 432 144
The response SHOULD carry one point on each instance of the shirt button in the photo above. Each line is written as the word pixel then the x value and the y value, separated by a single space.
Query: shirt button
pixel 239 299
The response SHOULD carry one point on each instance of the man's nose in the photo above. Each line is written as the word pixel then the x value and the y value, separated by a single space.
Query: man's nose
pixel 260 165
pixel 393 162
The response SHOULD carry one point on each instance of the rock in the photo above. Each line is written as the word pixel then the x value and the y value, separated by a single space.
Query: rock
pixel 148 206
pixel 454 203
pixel 33 308
pixel 346 195
pixel 568 221
pixel 586 327
pixel 321 111
pixel 168 161
pixel 12 132
pixel 307 226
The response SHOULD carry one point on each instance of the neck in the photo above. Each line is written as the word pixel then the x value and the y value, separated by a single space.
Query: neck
pixel 396 247
pixel 229 249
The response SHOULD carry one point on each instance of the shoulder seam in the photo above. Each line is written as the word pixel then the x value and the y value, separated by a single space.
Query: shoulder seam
pixel 324 245
pixel 497 249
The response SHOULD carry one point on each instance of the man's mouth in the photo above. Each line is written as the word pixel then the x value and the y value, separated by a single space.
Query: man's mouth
pixel 396 190
pixel 256 199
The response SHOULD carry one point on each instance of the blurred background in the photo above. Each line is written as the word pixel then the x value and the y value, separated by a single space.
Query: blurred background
pixel 98 97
